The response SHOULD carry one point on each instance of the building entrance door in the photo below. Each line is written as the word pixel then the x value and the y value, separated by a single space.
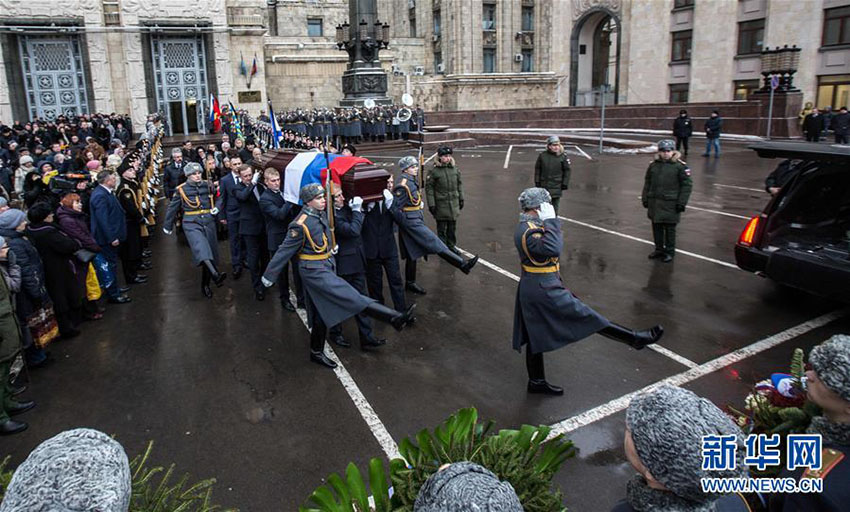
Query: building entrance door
pixel 54 77
pixel 180 74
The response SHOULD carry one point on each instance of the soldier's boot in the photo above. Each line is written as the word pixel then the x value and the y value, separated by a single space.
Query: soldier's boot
pixel 384 314
pixel 217 277
pixel 632 338
pixel 458 262
pixel 205 282
pixel 537 376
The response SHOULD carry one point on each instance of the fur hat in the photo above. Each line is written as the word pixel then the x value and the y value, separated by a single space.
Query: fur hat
pixel 407 161
pixel 553 140
pixel 192 168
pixel 667 427
pixel 831 361
pixel 533 197
pixel 666 145
pixel 465 486
pixel 310 191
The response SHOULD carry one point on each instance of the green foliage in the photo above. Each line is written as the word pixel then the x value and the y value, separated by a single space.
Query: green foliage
pixel 522 457
pixel 5 476
pixel 155 491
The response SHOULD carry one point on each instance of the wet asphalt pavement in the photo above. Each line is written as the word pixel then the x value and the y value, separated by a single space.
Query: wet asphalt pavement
pixel 225 389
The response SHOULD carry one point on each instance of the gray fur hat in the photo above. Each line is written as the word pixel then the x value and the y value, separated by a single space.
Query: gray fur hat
pixel 407 161
pixel 831 361
pixel 463 487
pixel 310 191
pixel 553 140
pixel 192 167
pixel 533 197
pixel 667 426
pixel 666 145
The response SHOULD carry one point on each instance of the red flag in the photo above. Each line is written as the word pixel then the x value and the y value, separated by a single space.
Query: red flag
pixel 254 66
pixel 341 165
pixel 215 114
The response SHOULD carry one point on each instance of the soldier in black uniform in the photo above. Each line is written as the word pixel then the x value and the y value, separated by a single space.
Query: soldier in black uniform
pixel 130 250
pixel 195 199
pixel 351 263
pixel 416 240
pixel 828 387
pixel 330 299
pixel 547 316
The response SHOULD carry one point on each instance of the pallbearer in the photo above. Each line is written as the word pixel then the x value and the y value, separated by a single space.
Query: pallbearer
pixel 330 299
pixel 195 198
pixel 416 240
pixel 547 316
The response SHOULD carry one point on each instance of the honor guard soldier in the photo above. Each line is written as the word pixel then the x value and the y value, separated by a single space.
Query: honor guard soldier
pixel 416 240
pixel 666 190
pixel 330 299
pixel 195 199
pixel 547 316
pixel 130 250
pixel 444 191
pixel 552 170
pixel 828 387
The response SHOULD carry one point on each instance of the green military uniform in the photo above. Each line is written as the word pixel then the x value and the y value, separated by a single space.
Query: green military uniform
pixel 666 190
pixel 10 347
pixel 552 172
pixel 444 191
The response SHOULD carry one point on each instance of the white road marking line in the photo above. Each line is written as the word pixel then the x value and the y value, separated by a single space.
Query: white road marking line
pixel 672 355
pixel 583 153
pixel 740 188
pixel 618 404
pixel 489 265
pixel 641 240
pixel 382 435
pixel 718 212
pixel 658 348
pixel 508 156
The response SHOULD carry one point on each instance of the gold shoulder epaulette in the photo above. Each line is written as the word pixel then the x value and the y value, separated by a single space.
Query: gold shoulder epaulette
pixel 181 185
pixel 830 457
pixel 301 218
pixel 403 182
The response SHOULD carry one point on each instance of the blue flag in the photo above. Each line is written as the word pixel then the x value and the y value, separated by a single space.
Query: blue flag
pixel 275 131
pixel 243 69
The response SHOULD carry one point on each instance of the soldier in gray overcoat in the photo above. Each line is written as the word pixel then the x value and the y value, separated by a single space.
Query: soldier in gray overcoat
pixel 415 239
pixel 547 316
pixel 330 299
pixel 195 199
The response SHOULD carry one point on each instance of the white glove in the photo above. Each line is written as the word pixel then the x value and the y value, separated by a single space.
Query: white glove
pixel 255 178
pixel 370 206
pixel 214 211
pixel 356 204
pixel 166 231
pixel 266 282
pixel 335 250
pixel 547 211
pixel 388 199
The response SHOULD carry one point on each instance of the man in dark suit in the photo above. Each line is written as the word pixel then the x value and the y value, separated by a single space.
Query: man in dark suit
pixel 108 227
pixel 173 173
pixel 381 251
pixel 351 264
pixel 251 226
pixel 229 208
pixel 278 213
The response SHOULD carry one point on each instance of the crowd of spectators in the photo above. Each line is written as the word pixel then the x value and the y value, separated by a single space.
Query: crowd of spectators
pixel 62 228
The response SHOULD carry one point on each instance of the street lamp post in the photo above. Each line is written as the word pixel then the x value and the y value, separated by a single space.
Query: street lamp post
pixel 363 40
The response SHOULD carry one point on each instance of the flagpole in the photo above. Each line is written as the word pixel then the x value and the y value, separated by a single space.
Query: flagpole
pixel 330 205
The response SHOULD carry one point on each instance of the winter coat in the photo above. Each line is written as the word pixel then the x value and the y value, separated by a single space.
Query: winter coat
pixel 841 123
pixel 444 191
pixel 667 185
pixel 33 287
pixel 57 252
pixel 713 126
pixel 10 337
pixel 683 127
pixel 75 225
pixel 552 172
pixel 813 124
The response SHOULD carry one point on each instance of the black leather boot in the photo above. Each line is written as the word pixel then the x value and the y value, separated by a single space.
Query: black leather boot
pixel 384 314
pixel 632 338
pixel 11 426
pixel 217 277
pixel 542 387
pixel 537 375
pixel 414 287
pixel 458 262
pixel 205 282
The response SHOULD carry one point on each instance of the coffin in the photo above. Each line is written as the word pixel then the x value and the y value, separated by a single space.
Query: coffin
pixel 276 158
pixel 366 181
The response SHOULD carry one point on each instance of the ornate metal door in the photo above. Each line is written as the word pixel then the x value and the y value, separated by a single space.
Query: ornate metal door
pixel 180 74
pixel 54 77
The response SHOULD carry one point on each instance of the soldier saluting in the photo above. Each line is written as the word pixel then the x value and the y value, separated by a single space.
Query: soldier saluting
pixel 547 316
pixel 416 239
pixel 195 199
pixel 330 299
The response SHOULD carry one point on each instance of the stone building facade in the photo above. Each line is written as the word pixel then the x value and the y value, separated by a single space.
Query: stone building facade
pixel 169 56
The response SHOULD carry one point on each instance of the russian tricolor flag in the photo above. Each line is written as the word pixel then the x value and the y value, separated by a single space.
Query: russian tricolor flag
pixel 308 168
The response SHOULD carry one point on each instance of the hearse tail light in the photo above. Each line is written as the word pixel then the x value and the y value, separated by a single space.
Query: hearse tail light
pixel 749 232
